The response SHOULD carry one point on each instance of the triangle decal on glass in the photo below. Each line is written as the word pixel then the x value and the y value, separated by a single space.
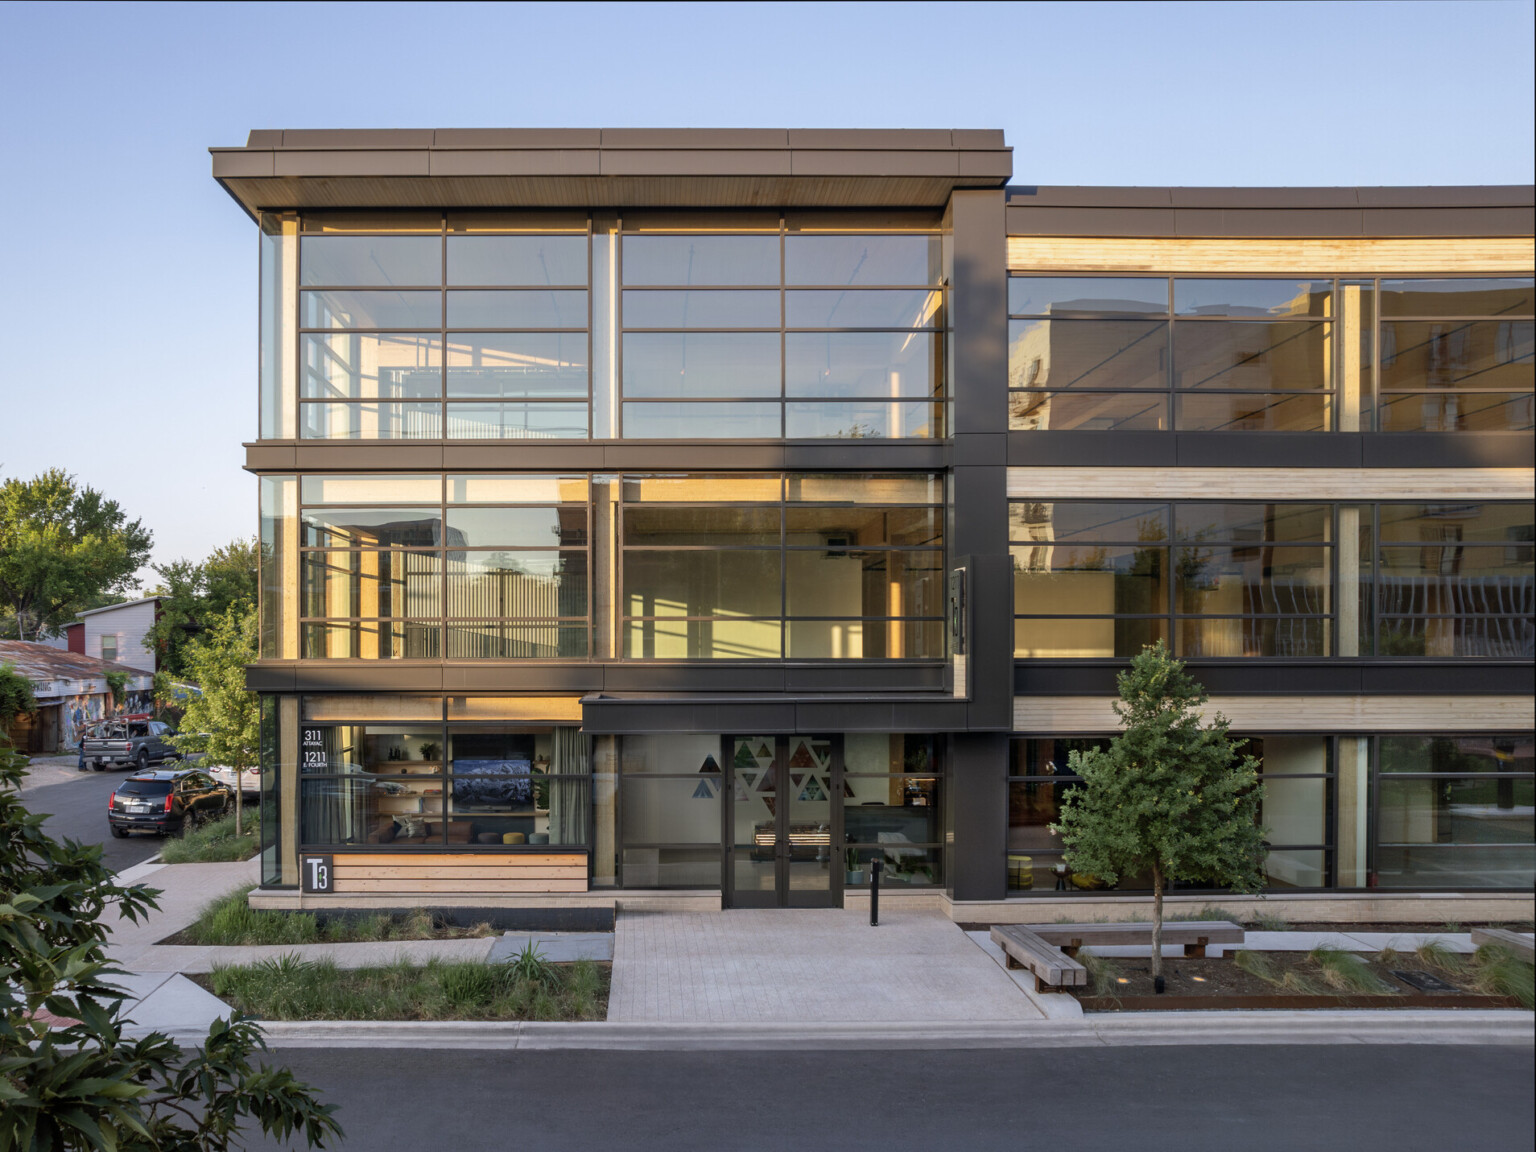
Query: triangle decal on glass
pixel 847 791
pixel 744 757
pixel 812 791
pixel 764 752
pixel 770 780
pixel 750 778
pixel 802 757
pixel 709 765
pixel 703 791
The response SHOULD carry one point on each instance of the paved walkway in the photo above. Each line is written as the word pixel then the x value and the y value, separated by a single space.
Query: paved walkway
pixel 820 965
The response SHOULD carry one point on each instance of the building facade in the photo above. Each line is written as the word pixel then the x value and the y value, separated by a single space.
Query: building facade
pixel 705 515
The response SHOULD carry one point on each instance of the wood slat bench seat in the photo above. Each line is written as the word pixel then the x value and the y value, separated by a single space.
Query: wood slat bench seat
pixel 1194 935
pixel 1052 968
pixel 1520 943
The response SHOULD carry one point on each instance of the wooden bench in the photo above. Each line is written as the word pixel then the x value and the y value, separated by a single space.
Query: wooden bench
pixel 1194 935
pixel 1053 969
pixel 1518 943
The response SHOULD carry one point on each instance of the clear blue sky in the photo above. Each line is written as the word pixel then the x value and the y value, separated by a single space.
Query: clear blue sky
pixel 130 278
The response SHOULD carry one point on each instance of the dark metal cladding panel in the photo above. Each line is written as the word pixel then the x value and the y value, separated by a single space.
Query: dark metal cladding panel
pixel 517 138
pixel 336 676
pixel 1449 196
pixel 541 678
pixel 878 138
pixel 1268 449
pixel 713 456
pixel 1449 450
pixel 693 162
pixel 856 162
pixel 1471 221
pixel 268 457
pixel 269 677
pixel 653 678
pixel 1269 222
pixel 353 163
pixel 368 138
pixel 1139 449
pixel 458 456
pixel 981 449
pixel 320 456
pixel 863 678
pixel 1089 221
pixel 978 301
pixel 1467 678
pixel 863 455
pixel 977 815
pixel 695 138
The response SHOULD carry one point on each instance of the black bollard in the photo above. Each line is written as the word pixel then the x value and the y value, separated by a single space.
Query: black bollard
pixel 876 866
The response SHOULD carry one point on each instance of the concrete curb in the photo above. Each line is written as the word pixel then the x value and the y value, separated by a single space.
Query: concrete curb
pixel 1380 1026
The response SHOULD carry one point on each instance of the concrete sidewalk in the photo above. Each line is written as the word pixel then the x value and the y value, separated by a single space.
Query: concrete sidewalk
pixel 785 979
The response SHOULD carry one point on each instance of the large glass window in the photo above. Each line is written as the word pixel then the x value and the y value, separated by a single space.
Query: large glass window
pixel 757 567
pixel 428 567
pixel 1297 773
pixel 780 334
pixel 1456 355
pixel 1206 354
pixel 460 332
pixel 1455 811
pixel 385 784
pixel 1096 579
pixel 1451 580
pixel 669 798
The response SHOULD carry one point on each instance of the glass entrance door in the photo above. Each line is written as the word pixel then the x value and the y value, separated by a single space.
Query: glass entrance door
pixel 781 821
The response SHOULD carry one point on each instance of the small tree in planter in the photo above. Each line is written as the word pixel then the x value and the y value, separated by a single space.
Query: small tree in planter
pixel 1170 796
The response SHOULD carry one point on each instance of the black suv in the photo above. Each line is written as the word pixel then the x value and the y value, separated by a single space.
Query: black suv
pixel 167 801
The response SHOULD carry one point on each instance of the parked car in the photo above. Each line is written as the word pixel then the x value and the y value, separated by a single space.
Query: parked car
pixel 166 802
pixel 250 779
pixel 130 741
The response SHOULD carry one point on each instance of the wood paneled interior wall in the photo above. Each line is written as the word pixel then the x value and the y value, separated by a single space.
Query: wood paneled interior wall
pixel 1269 484
pixel 1062 714
pixel 1340 256
pixel 461 872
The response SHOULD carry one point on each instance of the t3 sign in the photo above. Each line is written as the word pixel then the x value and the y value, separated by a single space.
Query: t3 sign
pixel 318 874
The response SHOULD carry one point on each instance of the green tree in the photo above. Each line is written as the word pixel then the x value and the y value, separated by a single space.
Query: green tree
pixel 1171 796
pixel 223 720
pixel 16 697
pixel 62 546
pixel 70 1080
pixel 192 593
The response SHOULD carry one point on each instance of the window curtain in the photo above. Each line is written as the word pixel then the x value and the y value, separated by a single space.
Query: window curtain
pixel 567 802
pixel 329 814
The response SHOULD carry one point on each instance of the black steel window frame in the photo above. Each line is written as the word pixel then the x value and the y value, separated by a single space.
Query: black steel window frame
pixel 939 329
pixel 1379 321
pixel 1171 392
pixel 443 620
pixel 1371 395
pixel 782 550
pixel 1330 815
pixel 1372 606
pixel 582 783
pixel 443 331
pixel 1170 545
pixel 1376 776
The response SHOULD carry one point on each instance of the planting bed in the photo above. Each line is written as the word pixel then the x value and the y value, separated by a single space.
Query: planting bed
pixel 1295 980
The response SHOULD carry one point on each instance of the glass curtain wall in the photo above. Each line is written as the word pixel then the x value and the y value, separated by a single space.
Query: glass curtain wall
pixel 767 328
pixel 464 327
pixel 1098 579
pixel 843 567
pixel 427 566
pixel 1438 581
pixel 1149 353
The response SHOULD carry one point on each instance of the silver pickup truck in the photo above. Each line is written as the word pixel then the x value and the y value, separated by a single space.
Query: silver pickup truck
pixel 129 743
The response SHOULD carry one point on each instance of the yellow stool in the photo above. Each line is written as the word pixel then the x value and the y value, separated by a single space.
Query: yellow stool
pixel 1021 871
pixel 514 838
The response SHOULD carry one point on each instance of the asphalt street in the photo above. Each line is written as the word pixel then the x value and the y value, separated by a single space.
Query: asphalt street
pixel 1352 1097
pixel 76 803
